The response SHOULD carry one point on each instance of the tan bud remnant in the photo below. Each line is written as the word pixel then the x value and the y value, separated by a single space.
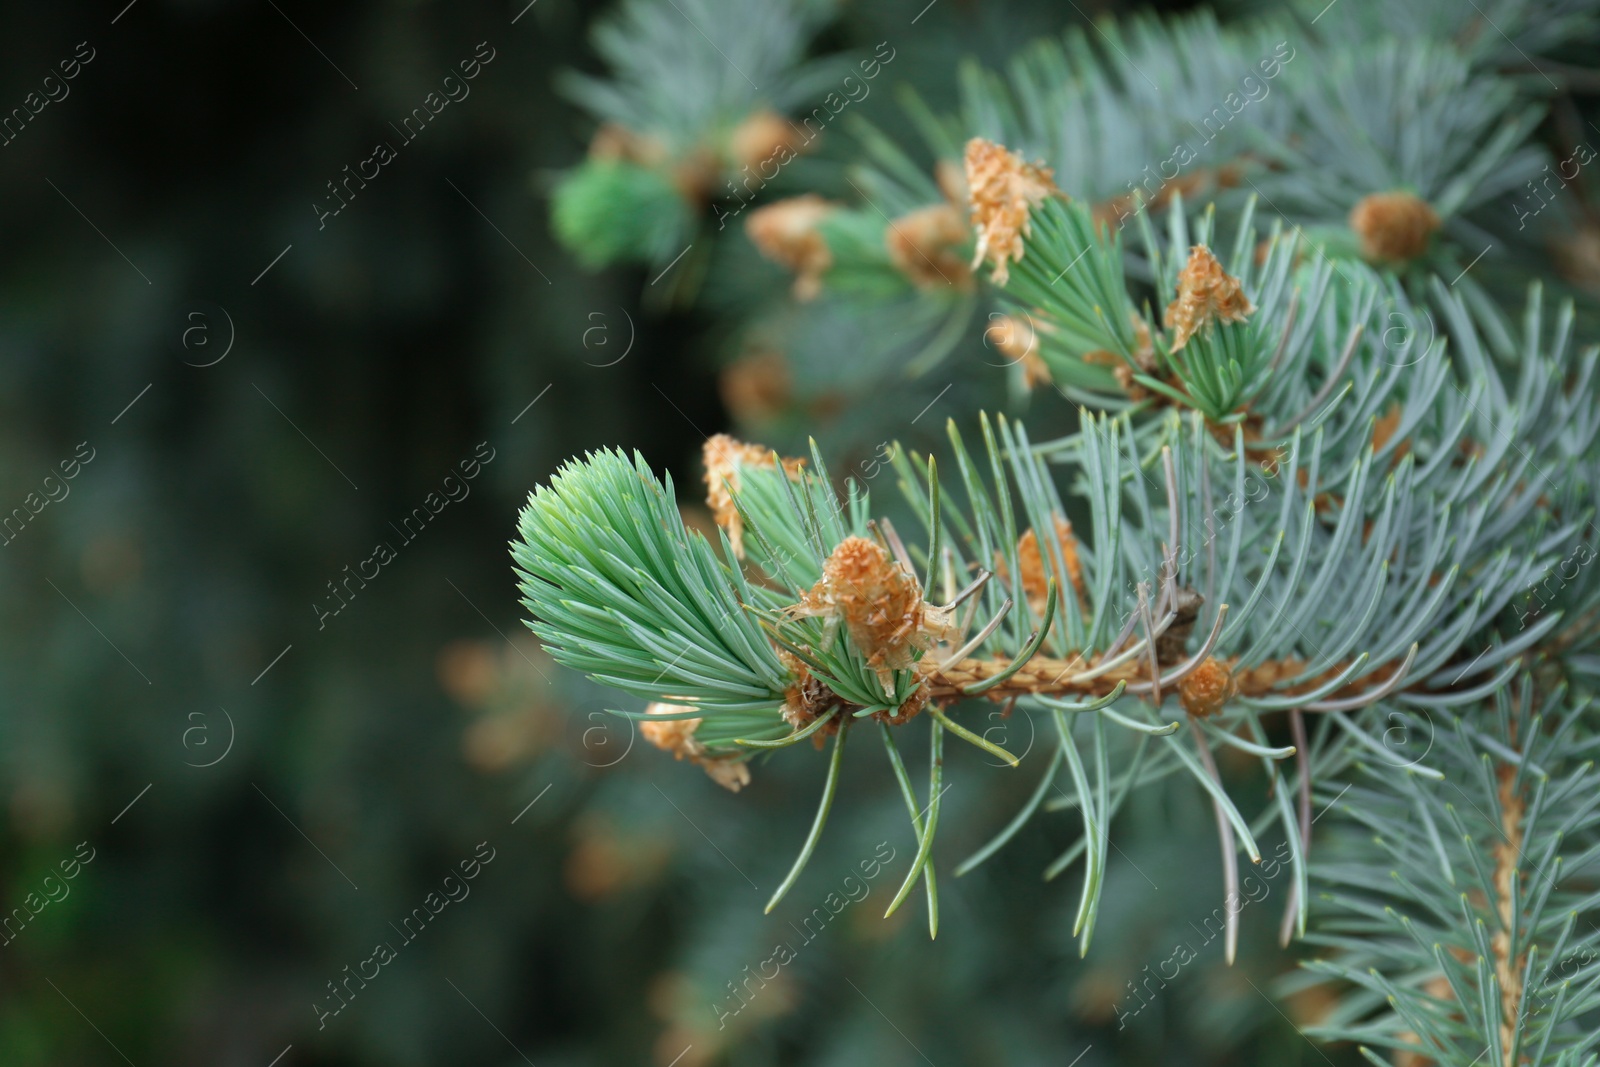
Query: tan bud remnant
pixel 677 737
pixel 1035 371
pixel 761 138
pixel 913 706
pixel 787 233
pixel 672 735
pixel 1002 190
pixel 1017 339
pixel 1394 226
pixel 606 860
pixel 951 178
pixel 731 774
pixel 1144 351
pixel 878 601
pixel 1577 256
pixel 925 245
pixel 724 458
pixel 1037 567
pixel 614 141
pixel 1012 336
pixel 757 386
pixel 1205 690
pixel 1206 294
pixel 806 698
pixel 1124 375
pixel 1109 216
pixel 1383 429
pixel 1144 355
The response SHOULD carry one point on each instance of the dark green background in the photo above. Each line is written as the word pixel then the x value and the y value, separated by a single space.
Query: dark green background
pixel 378 353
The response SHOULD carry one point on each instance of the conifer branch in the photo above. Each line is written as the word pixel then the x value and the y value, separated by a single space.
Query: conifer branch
pixel 1321 482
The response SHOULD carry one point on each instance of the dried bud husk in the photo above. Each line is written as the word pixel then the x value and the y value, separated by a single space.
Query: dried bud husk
pixel 1394 227
pixel 1384 428
pixel 758 386
pixel 691 172
pixel 606 859
pixel 724 458
pixel 1206 294
pixel 764 137
pixel 1124 375
pixel 951 178
pixel 1013 337
pixel 878 601
pixel 1577 256
pixel 677 737
pixel 787 233
pixel 806 698
pixel 1017 339
pixel 926 246
pixel 1036 566
pixel 1144 350
pixel 1205 690
pixel 614 141
pixel 913 706
pixel 1002 190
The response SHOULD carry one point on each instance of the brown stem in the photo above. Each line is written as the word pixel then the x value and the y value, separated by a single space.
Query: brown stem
pixel 1047 676
pixel 1507 851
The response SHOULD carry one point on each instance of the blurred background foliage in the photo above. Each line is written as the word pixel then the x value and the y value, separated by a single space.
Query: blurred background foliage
pixel 268 790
